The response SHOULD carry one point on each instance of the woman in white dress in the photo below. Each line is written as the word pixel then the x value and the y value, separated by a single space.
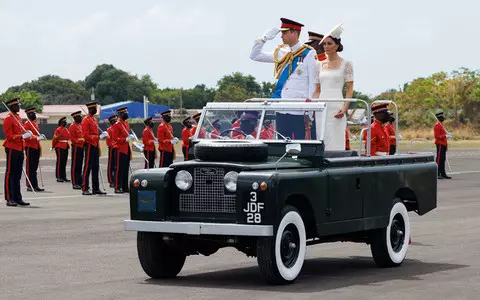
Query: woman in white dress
pixel 333 73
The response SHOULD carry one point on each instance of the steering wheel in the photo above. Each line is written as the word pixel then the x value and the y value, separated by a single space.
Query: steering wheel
pixel 223 133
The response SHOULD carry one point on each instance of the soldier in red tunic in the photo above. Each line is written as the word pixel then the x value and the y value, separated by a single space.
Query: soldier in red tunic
pixel 33 149
pixel 203 133
pixel 217 127
pixel 166 140
pixel 149 141
pixel 186 134
pixel 112 152
pixel 60 140
pixel 122 136
pixel 15 135
pixel 441 135
pixel 379 139
pixel 92 151
pixel 78 142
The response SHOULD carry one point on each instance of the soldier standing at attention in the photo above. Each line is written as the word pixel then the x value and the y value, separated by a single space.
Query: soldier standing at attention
pixel 92 151
pixel 149 142
pixel 76 137
pixel 186 134
pixel 61 136
pixel 112 152
pixel 379 139
pixel 121 136
pixel 14 138
pixel 33 149
pixel 441 135
pixel 166 140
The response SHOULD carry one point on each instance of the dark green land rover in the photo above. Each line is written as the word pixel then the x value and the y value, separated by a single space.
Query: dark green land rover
pixel 247 185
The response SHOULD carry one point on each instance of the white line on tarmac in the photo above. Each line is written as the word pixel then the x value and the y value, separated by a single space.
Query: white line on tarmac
pixel 61 197
pixel 463 172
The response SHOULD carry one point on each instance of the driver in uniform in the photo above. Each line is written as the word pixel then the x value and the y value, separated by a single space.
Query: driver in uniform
pixel 248 126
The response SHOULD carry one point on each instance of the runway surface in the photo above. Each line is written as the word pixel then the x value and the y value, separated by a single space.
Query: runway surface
pixel 68 246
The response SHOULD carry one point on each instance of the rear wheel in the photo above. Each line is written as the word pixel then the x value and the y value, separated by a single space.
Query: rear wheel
pixel 280 258
pixel 158 259
pixel 389 245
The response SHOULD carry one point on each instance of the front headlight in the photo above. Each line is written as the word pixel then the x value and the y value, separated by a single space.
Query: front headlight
pixel 183 180
pixel 230 181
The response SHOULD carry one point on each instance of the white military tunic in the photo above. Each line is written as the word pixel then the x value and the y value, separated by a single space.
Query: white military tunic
pixel 299 84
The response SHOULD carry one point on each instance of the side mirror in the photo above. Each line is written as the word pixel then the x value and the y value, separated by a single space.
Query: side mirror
pixel 293 149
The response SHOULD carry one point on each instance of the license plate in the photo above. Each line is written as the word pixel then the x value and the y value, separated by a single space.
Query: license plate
pixel 147 201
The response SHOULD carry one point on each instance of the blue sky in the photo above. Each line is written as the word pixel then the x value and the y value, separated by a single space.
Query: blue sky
pixel 183 43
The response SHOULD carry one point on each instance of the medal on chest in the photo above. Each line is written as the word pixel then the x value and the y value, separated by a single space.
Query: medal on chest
pixel 299 64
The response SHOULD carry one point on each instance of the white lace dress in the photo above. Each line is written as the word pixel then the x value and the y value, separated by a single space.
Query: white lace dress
pixel 331 86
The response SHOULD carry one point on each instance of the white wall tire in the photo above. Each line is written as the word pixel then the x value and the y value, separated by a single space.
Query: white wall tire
pixel 389 245
pixel 281 257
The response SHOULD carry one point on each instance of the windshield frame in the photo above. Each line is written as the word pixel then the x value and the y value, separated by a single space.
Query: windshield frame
pixel 263 108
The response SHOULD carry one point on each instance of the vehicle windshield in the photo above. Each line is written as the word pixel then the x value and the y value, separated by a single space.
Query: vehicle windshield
pixel 260 124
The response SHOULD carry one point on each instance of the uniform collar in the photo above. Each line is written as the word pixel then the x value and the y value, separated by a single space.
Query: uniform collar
pixel 296 46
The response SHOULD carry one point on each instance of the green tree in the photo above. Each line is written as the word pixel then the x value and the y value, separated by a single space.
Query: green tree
pixel 27 99
pixel 55 90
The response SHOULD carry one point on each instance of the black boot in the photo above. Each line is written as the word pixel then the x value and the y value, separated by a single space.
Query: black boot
pixel 11 203
pixel 20 202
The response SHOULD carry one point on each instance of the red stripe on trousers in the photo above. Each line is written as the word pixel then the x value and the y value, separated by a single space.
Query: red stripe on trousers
pixel 86 168
pixel 7 175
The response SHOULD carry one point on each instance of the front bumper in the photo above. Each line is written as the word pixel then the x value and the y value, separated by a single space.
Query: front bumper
pixel 196 228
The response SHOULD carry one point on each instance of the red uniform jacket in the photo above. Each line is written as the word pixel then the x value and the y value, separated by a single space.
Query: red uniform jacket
pixel 32 142
pixel 440 134
pixel 215 134
pixel 236 125
pixel 202 134
pixel 61 136
pixel 379 140
pixel 267 133
pixel 110 142
pixel 76 135
pixel 90 130
pixel 148 139
pixel 186 134
pixel 164 136
pixel 13 132
pixel 390 131
pixel 120 131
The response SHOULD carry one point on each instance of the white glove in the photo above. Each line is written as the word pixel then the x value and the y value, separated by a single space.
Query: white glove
pixel 130 137
pixel 27 134
pixel 270 35
pixel 155 141
pixel 353 138
pixel 249 137
pixel 449 135
pixel 103 135
pixel 51 149
pixel 174 141
pixel 41 137
pixel 399 137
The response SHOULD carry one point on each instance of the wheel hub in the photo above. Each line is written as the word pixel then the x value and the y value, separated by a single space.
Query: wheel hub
pixel 288 245
pixel 397 233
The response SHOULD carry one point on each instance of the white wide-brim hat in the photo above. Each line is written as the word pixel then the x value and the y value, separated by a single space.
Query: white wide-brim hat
pixel 335 32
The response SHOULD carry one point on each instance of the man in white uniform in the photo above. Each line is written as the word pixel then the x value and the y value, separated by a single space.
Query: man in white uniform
pixel 295 69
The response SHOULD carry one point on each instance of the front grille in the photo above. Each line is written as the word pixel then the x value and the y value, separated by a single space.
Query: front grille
pixel 208 193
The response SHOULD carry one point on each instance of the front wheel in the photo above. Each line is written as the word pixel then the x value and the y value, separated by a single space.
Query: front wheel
pixel 158 259
pixel 280 258
pixel 389 245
